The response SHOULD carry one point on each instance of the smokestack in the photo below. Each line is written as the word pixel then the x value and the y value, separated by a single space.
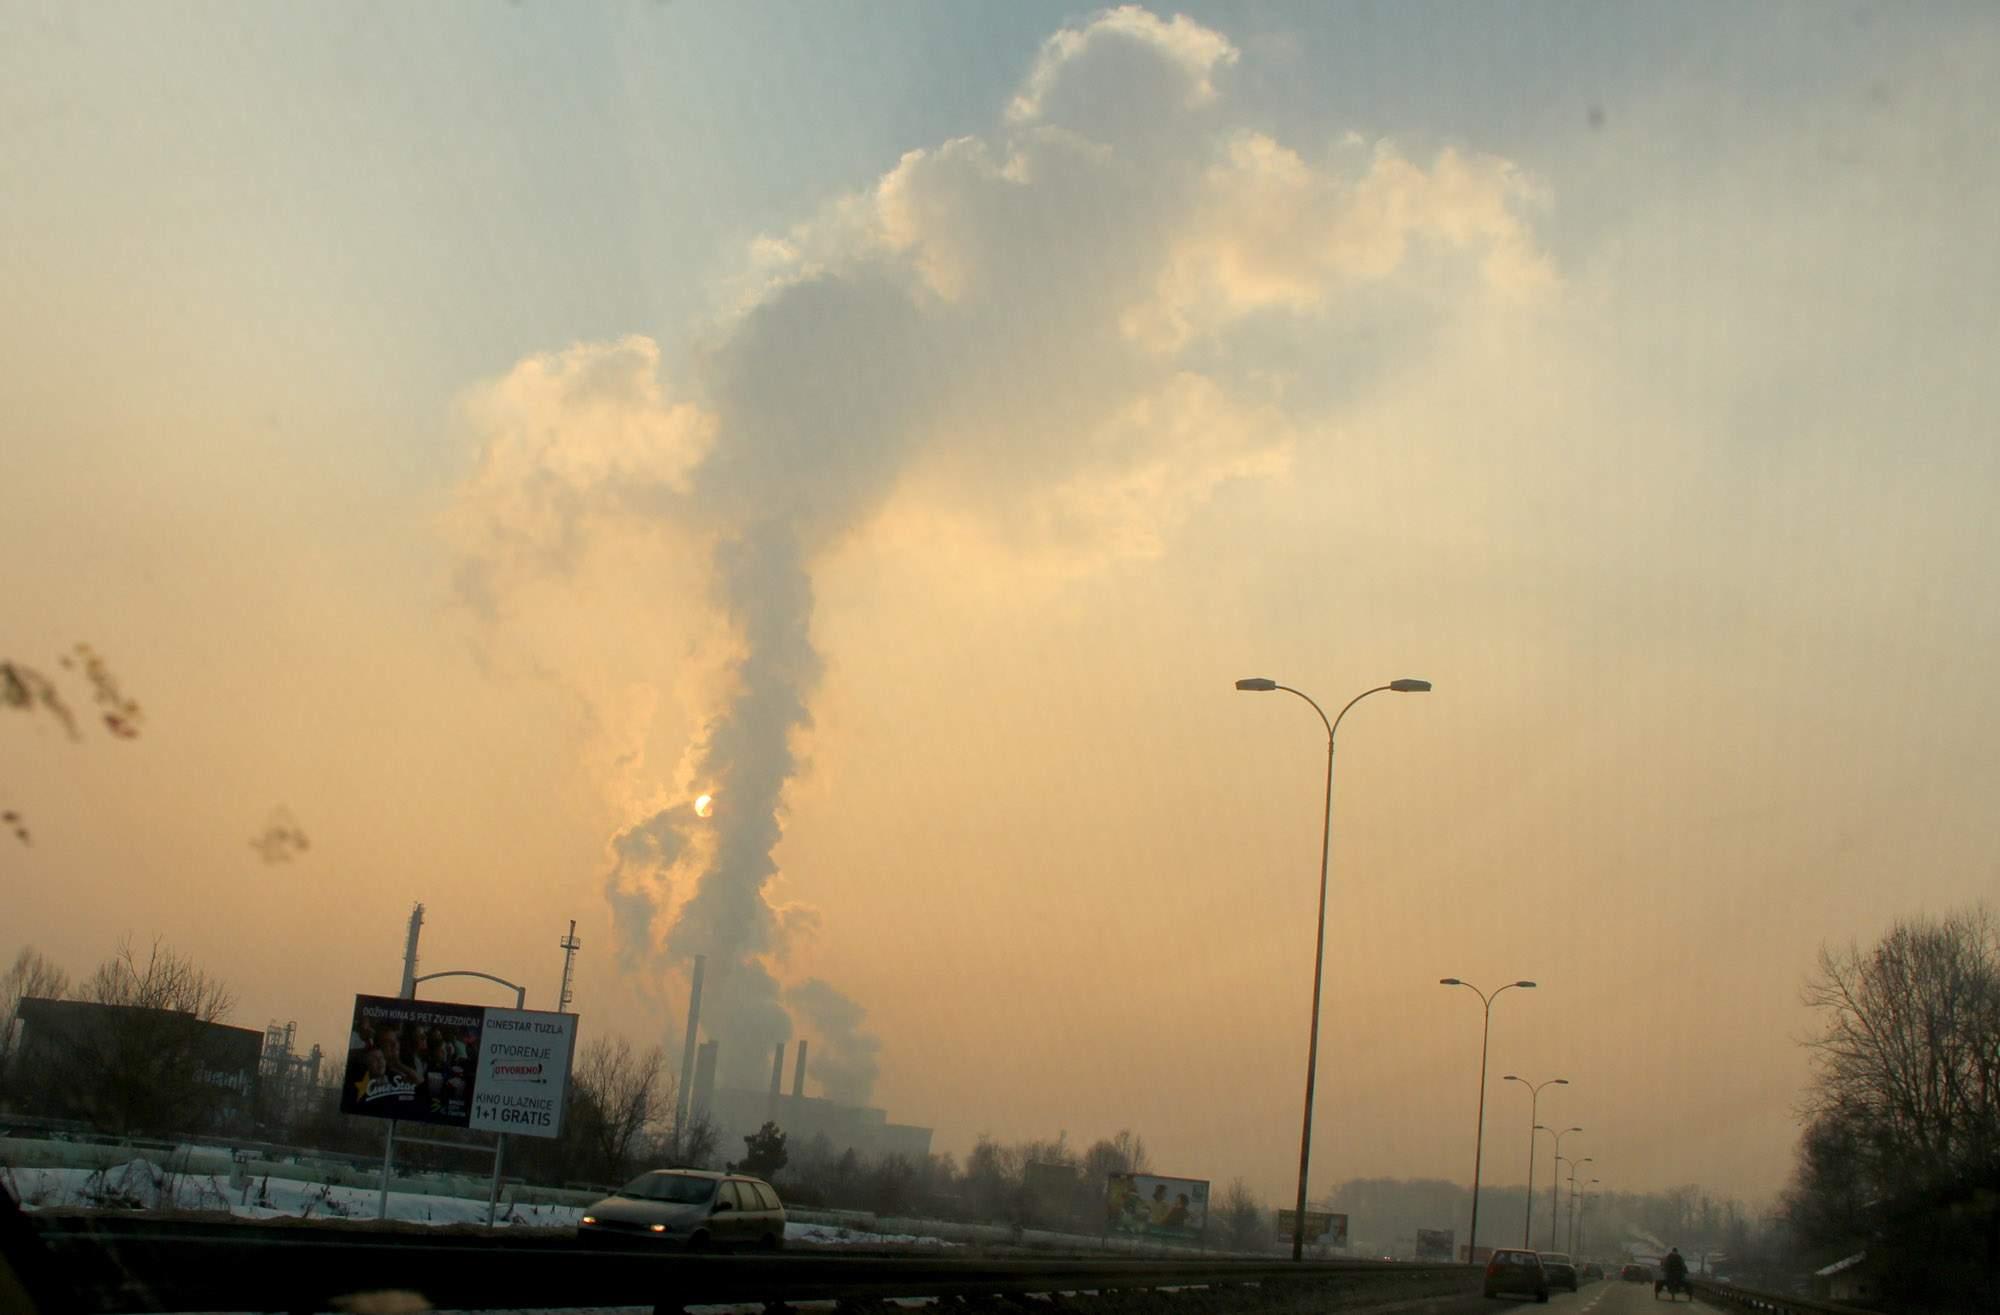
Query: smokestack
pixel 777 1079
pixel 704 1077
pixel 799 1072
pixel 688 1046
pixel 409 990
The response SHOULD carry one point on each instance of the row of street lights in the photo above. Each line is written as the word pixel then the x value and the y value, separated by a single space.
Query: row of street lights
pixel 1262 685
pixel 1535 1125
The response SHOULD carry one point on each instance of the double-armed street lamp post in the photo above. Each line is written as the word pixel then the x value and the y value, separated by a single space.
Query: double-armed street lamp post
pixel 1576 1212
pixel 1570 1225
pixel 1261 685
pixel 1555 1182
pixel 1534 1126
pixel 1479 1136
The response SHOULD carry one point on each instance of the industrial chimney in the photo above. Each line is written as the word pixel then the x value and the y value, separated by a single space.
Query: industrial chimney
pixel 686 1092
pixel 799 1073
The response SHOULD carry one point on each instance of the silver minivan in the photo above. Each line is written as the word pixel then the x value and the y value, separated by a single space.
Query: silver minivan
pixel 692 1208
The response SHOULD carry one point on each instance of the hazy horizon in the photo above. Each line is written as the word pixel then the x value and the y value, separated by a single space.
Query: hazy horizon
pixel 482 431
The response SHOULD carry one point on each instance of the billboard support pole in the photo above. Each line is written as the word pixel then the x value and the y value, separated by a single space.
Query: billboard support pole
pixel 388 1155
pixel 493 1193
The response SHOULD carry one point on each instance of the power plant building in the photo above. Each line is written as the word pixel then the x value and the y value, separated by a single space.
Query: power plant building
pixel 863 1129
pixel 737 1113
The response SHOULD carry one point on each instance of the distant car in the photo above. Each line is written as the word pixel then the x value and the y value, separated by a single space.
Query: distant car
pixel 691 1208
pixel 1518 1272
pixel 1592 1271
pixel 1635 1274
pixel 1560 1270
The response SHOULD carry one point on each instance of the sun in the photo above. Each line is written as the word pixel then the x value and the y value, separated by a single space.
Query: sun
pixel 704 805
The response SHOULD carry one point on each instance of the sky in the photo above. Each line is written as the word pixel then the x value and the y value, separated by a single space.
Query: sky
pixel 479 431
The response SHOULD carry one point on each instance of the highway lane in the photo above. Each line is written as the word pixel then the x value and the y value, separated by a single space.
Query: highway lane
pixel 1610 1297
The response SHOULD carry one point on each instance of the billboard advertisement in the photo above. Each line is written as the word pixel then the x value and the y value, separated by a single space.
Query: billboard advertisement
pixel 1321 1226
pixel 458 1066
pixel 1435 1244
pixel 523 1072
pixel 1151 1206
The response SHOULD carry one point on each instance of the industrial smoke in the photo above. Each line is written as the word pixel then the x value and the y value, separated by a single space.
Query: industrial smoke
pixel 1024 327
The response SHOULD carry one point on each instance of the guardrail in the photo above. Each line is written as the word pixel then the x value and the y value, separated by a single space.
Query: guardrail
pixel 1766 1303
pixel 313 1270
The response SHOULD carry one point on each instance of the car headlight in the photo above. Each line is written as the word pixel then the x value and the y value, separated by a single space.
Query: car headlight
pixel 589 1219
pixel 659 1228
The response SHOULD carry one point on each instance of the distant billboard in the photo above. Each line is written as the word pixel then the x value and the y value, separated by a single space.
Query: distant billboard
pixel 1321 1226
pixel 1436 1244
pixel 458 1066
pixel 1051 1190
pixel 1147 1205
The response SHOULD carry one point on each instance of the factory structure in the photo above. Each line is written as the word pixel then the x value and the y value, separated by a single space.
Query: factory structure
pixel 737 1113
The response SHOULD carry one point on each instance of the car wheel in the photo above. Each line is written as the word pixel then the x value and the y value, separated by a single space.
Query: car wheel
pixel 768 1242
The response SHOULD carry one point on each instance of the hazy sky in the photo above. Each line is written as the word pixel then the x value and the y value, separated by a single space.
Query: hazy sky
pixel 482 429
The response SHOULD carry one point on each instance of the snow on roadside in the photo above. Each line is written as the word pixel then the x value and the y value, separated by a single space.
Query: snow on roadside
pixel 142 1185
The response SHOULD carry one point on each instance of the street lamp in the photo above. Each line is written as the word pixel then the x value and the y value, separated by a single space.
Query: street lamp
pixel 1555 1185
pixel 1479 1137
pixel 1533 1127
pixel 1576 1213
pixel 1574 1165
pixel 1263 685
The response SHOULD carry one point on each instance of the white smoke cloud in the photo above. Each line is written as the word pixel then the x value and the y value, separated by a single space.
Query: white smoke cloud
pixel 847 1058
pixel 1031 327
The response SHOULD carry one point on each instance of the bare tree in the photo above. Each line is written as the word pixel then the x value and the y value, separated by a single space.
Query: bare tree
pixel 618 1097
pixel 691 1144
pixel 1125 1153
pixel 33 976
pixel 1910 1037
pixel 1242 1219
pixel 1903 1138
pixel 166 981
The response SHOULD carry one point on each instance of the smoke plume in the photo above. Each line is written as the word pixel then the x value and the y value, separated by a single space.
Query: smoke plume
pixel 845 1061
pixel 1030 329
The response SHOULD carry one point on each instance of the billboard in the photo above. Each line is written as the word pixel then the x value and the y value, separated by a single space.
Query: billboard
pixel 1151 1206
pixel 458 1066
pixel 523 1072
pixel 1435 1244
pixel 1321 1226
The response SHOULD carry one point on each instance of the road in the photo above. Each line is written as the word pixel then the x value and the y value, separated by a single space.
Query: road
pixel 1609 1297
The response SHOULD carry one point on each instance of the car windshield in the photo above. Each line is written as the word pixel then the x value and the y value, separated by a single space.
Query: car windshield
pixel 672 1188
pixel 693 584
